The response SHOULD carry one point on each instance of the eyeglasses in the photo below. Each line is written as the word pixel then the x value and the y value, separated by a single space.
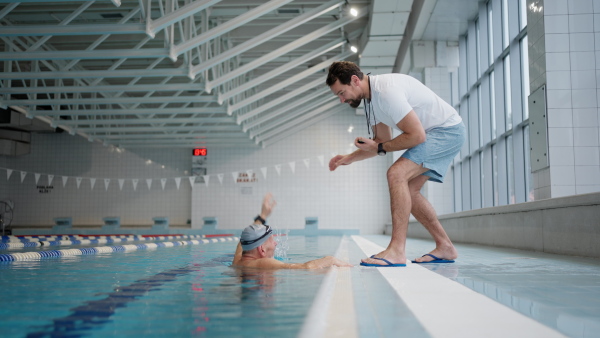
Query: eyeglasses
pixel 267 233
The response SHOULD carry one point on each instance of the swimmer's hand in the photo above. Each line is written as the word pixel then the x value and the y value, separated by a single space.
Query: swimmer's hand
pixel 267 206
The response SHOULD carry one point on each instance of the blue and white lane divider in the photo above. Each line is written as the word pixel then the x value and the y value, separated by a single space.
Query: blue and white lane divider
pixel 62 241
pixel 40 238
pixel 68 242
pixel 28 256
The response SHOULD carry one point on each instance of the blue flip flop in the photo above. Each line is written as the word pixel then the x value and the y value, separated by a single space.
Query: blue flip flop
pixel 389 264
pixel 435 260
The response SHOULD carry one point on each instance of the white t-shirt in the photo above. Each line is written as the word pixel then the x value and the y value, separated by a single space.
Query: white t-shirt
pixel 393 96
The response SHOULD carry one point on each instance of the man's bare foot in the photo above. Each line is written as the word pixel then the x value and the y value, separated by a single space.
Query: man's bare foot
pixel 448 253
pixel 392 258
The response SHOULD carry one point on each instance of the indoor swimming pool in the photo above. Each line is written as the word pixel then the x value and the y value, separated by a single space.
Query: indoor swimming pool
pixel 191 290
pixel 179 291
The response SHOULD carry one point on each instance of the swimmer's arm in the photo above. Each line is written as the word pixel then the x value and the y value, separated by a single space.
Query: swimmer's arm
pixel 272 263
pixel 320 263
pixel 238 255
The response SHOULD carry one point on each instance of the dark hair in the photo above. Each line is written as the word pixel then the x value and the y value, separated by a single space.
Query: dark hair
pixel 342 71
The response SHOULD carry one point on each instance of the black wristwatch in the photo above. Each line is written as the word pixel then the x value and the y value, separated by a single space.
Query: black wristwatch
pixel 260 219
pixel 380 150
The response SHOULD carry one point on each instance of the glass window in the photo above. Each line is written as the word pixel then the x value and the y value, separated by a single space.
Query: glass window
pixel 505 40
pixel 495 175
pixel 480 112
pixel 525 76
pixel 482 178
pixel 466 184
pixel 490 33
pixel 488 158
pixel 522 13
pixel 493 104
pixel 509 170
pixel 507 96
pixel 478 47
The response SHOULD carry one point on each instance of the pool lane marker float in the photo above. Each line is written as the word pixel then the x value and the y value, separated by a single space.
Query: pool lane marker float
pixel 39 238
pixel 104 240
pixel 28 256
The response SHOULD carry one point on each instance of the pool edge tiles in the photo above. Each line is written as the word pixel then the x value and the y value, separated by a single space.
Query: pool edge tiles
pixel 447 308
pixel 27 256
pixel 333 305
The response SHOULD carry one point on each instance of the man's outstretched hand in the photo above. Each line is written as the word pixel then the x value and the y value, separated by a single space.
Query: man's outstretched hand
pixel 267 205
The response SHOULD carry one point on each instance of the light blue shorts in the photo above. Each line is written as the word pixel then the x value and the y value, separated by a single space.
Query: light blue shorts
pixel 438 151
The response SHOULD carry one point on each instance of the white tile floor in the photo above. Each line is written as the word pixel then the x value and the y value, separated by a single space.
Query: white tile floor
pixel 488 292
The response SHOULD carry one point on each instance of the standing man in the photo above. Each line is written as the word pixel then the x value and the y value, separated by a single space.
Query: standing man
pixel 432 133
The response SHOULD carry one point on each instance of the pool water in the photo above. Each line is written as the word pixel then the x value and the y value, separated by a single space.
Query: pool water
pixel 178 291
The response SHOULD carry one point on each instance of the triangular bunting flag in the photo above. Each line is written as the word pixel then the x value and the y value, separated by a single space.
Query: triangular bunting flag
pixel 205 179
pixel 149 182
pixel 106 183
pixel 264 172
pixel 293 166
pixel 163 181
pixel 135 182
pixel 8 173
pixel 23 174
pixel 235 176
pixel 306 162
pixel 192 180
pixel 37 178
pixel 78 179
pixel 64 179
pixel 92 182
pixel 220 176
pixel 177 182
pixel 321 160
pixel 121 181
pixel 50 178
pixel 278 169
pixel 249 172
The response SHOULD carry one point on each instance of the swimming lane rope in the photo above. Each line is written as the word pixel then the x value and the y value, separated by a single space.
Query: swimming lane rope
pixel 28 256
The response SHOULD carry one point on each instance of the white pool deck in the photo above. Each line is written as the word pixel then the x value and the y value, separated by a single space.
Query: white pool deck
pixel 488 292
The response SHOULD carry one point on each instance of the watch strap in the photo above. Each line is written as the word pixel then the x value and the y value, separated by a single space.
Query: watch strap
pixel 260 219
pixel 380 149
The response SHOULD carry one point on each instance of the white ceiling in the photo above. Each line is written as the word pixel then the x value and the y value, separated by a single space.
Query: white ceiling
pixel 167 73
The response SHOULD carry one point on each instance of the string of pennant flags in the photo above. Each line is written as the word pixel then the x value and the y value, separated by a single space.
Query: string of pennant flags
pixel 163 181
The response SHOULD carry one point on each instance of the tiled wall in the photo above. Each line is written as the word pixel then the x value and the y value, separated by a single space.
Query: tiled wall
pixel 72 156
pixel 564 53
pixel 353 197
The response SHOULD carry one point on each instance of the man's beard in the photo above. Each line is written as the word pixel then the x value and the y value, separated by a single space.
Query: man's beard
pixel 354 103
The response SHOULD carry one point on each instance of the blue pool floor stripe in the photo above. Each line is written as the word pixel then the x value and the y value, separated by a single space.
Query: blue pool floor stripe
pixel 27 256
pixel 95 313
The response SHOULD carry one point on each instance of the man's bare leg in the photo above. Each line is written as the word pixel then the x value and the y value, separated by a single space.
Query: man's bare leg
pixel 399 175
pixel 426 215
